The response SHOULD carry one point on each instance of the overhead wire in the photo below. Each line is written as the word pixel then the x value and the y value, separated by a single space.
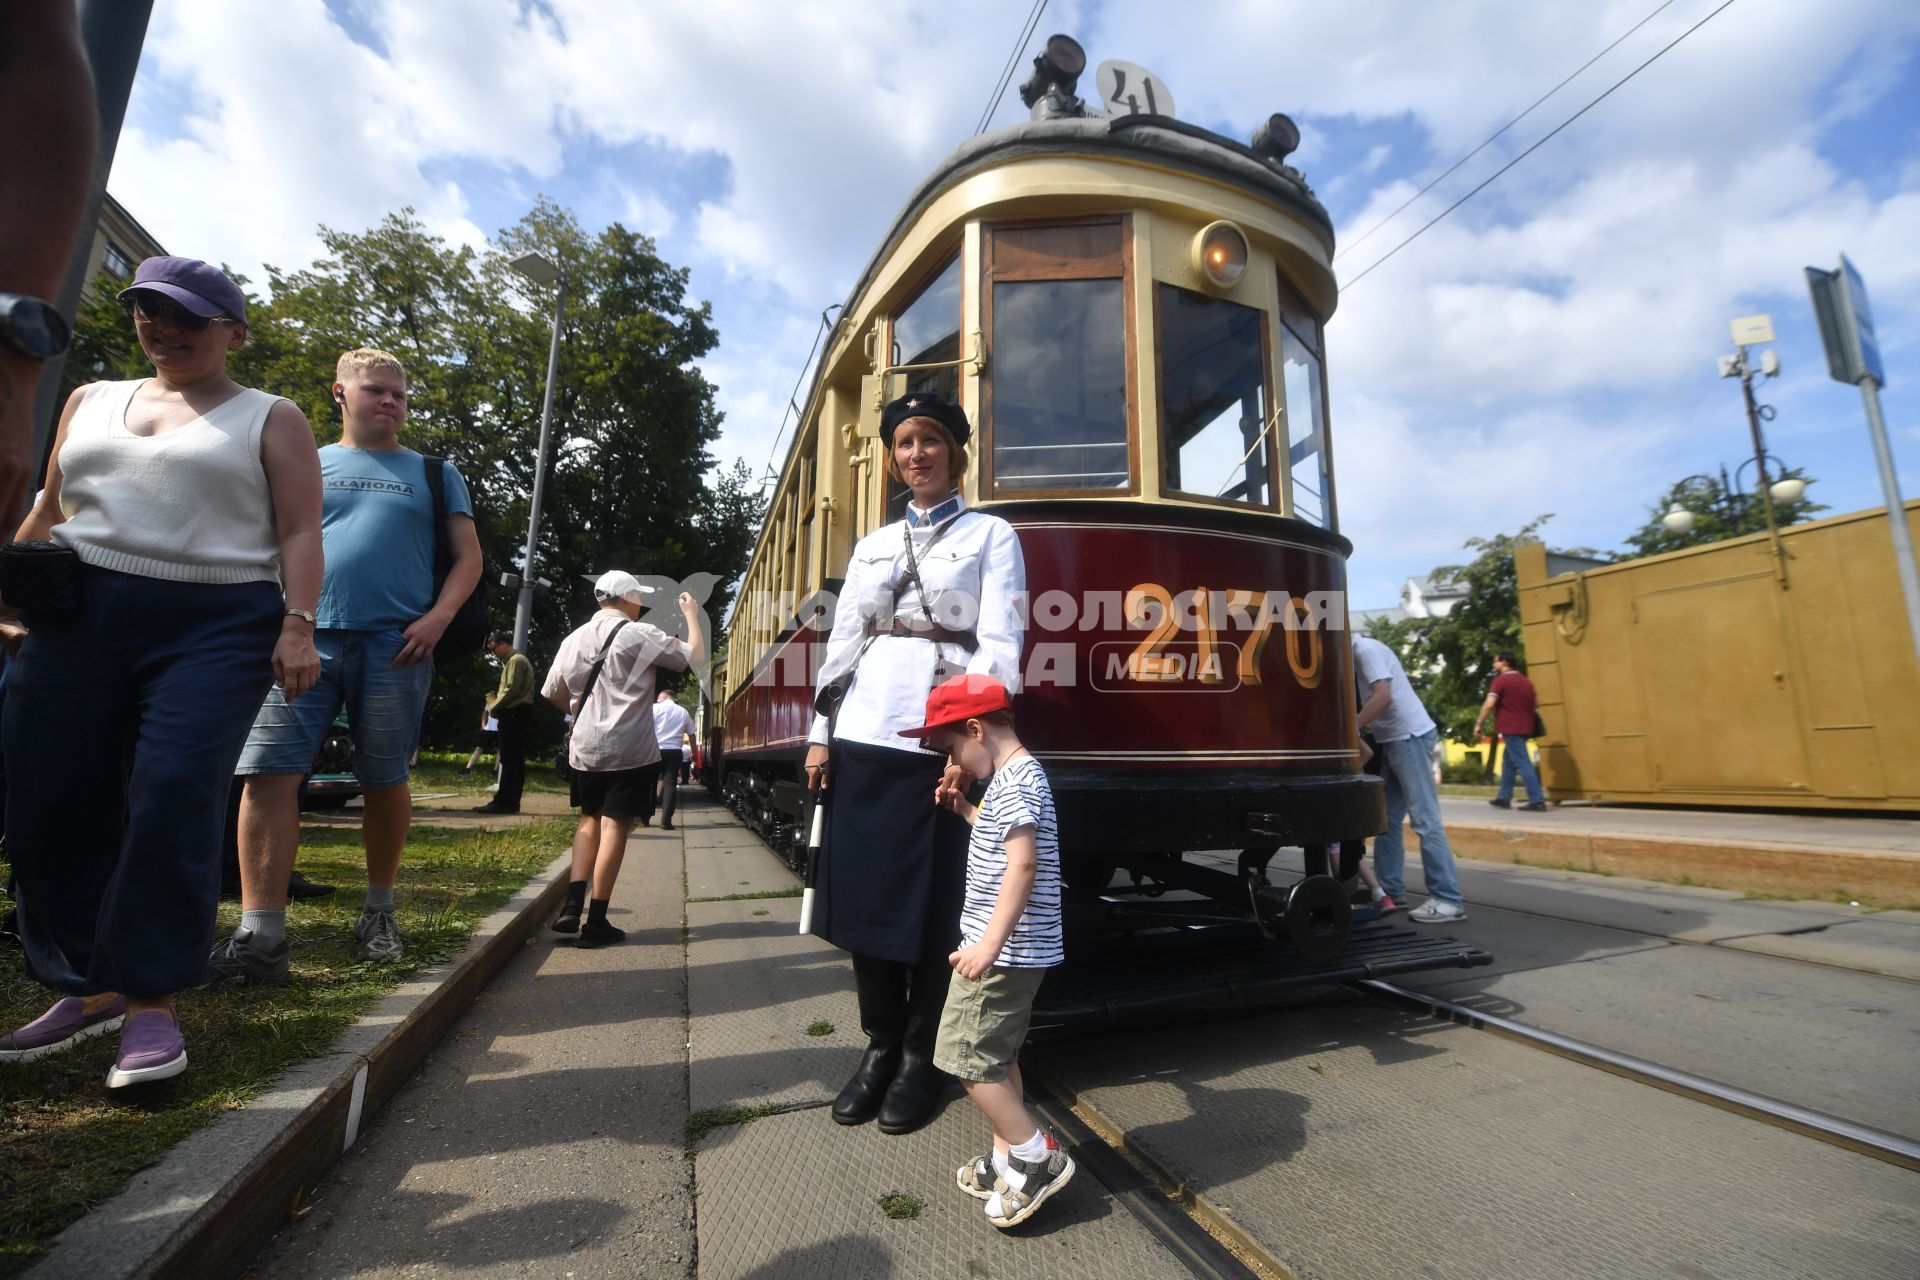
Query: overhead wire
pixel 1452 168
pixel 793 396
pixel 1013 64
pixel 1348 284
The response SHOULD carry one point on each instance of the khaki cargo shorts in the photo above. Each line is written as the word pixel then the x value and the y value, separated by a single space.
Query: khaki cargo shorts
pixel 985 1023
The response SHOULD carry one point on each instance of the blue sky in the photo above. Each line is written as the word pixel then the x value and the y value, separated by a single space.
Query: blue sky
pixel 1550 347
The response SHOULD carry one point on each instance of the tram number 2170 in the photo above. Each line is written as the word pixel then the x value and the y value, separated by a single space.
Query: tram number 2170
pixel 1184 640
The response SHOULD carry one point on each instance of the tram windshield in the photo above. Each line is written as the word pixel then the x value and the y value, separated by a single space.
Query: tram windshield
pixel 1059 386
pixel 928 332
pixel 1213 399
pixel 1305 412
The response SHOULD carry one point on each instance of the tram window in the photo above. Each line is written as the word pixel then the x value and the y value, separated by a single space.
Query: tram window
pixel 1059 386
pixel 928 332
pixel 1213 399
pixel 1305 412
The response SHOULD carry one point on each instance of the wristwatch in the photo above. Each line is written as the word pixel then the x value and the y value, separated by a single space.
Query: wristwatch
pixel 306 614
pixel 33 328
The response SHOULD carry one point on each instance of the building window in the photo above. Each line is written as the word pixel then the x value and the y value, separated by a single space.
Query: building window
pixel 1305 413
pixel 1058 379
pixel 113 261
pixel 1213 399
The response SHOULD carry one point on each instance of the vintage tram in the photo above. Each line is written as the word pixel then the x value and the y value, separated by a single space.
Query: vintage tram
pixel 1131 310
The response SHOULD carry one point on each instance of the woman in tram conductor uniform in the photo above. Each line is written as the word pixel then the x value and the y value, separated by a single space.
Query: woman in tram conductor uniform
pixel 926 597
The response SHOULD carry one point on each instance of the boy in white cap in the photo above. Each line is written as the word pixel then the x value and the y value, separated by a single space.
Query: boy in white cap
pixel 604 676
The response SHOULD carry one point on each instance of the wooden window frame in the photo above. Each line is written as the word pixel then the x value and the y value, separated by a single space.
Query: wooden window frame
pixel 989 276
pixel 1267 321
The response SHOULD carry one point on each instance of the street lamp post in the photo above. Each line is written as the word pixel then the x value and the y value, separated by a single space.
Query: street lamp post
pixel 540 270
pixel 1732 493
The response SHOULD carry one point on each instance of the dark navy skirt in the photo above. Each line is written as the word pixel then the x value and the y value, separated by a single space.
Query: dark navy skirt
pixel 893 868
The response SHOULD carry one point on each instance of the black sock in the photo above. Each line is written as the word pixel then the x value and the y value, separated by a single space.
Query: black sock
pixel 576 897
pixel 597 911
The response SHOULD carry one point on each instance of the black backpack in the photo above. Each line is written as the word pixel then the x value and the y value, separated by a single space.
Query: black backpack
pixel 468 630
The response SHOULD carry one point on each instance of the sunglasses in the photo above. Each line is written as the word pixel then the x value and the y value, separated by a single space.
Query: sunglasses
pixel 157 309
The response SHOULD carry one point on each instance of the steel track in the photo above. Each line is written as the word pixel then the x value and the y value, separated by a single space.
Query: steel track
pixel 1877 1143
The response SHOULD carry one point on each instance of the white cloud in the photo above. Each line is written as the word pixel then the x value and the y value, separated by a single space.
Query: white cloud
pixel 1559 329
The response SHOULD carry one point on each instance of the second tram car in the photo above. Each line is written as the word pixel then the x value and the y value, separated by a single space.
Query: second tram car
pixel 1131 310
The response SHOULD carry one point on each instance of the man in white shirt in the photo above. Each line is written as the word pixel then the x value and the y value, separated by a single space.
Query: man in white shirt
pixel 612 749
pixel 671 726
pixel 1407 736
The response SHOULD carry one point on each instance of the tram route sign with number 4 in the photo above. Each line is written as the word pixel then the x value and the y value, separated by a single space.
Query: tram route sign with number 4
pixel 1130 90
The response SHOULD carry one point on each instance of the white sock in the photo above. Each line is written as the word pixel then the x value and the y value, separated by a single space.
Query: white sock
pixel 1032 1151
pixel 1000 1162
pixel 996 1207
pixel 1378 893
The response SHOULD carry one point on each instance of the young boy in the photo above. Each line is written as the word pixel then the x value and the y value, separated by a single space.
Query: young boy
pixel 1009 936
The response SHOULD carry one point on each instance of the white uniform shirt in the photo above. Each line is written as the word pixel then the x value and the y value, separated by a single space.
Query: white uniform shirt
pixel 670 721
pixel 976 579
pixel 1405 716
pixel 614 730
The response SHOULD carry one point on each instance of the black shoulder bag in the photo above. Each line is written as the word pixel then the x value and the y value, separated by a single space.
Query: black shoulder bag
pixel 562 763
pixel 468 630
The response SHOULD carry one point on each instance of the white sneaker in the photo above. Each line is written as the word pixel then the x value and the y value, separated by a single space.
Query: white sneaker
pixel 1434 911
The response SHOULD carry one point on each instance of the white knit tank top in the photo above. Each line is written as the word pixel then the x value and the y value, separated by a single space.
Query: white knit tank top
pixel 190 505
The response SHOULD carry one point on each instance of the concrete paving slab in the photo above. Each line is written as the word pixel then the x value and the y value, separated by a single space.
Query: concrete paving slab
pixel 1364 1143
pixel 754 987
pixel 795 1196
pixel 719 870
pixel 1745 1020
pixel 1872 946
pixel 546 1136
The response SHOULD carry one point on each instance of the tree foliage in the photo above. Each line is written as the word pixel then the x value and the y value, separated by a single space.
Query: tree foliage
pixel 631 482
pixel 1719 511
pixel 1449 660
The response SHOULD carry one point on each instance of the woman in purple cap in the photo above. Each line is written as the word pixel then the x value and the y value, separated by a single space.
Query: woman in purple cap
pixel 927 597
pixel 170 574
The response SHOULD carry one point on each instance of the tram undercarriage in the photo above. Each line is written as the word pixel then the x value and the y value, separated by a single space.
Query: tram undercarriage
pixel 1160 932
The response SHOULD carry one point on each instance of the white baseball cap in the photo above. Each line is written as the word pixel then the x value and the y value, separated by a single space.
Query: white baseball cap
pixel 618 584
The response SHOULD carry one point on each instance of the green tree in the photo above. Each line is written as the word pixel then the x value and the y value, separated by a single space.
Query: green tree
pixel 1719 512
pixel 631 483
pixel 1449 660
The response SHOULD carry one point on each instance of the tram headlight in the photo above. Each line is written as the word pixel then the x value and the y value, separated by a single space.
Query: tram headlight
pixel 1219 255
pixel 1057 69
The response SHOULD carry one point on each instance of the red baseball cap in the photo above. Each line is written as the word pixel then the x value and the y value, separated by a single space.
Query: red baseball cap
pixel 961 698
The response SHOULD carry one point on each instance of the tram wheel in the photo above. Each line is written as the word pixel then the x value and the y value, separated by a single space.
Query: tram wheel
pixel 1317 918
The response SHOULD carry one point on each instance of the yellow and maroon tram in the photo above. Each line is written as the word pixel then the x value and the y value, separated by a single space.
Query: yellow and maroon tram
pixel 1131 310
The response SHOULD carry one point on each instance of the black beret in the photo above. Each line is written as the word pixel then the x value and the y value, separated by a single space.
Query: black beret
pixel 925 404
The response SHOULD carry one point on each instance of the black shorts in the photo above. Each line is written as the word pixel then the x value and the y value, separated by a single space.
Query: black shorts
pixel 624 793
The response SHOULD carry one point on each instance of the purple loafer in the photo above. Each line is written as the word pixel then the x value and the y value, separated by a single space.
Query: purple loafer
pixel 66 1024
pixel 151 1048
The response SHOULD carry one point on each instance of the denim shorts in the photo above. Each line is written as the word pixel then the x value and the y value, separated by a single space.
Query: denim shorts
pixel 384 704
pixel 985 1022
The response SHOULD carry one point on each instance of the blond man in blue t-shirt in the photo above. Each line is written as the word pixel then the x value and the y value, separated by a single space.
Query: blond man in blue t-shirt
pixel 1009 938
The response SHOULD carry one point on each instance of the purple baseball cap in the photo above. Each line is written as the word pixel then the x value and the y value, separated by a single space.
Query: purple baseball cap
pixel 202 289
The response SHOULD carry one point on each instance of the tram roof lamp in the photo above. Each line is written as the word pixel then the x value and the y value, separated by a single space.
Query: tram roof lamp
pixel 1678 520
pixel 536 267
pixel 1057 68
pixel 1277 138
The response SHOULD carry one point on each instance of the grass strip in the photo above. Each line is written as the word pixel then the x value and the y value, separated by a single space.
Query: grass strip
pixel 67 1144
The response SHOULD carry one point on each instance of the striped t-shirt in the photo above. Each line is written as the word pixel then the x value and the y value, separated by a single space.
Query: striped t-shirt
pixel 1017 796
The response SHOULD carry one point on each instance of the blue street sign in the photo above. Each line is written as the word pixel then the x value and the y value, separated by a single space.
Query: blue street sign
pixel 1859 321
pixel 1846 324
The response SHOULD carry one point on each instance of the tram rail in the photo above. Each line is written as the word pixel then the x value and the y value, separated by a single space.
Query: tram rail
pixel 1881 1145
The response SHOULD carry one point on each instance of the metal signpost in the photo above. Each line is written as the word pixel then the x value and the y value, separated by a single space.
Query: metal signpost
pixel 1853 355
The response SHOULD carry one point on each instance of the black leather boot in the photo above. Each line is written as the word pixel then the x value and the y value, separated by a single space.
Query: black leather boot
pixel 916 1088
pixel 882 989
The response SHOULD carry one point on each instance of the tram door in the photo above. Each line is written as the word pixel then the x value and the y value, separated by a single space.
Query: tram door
pixel 1721 711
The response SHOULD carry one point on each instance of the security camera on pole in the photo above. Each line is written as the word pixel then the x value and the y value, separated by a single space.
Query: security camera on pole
pixel 1853 355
